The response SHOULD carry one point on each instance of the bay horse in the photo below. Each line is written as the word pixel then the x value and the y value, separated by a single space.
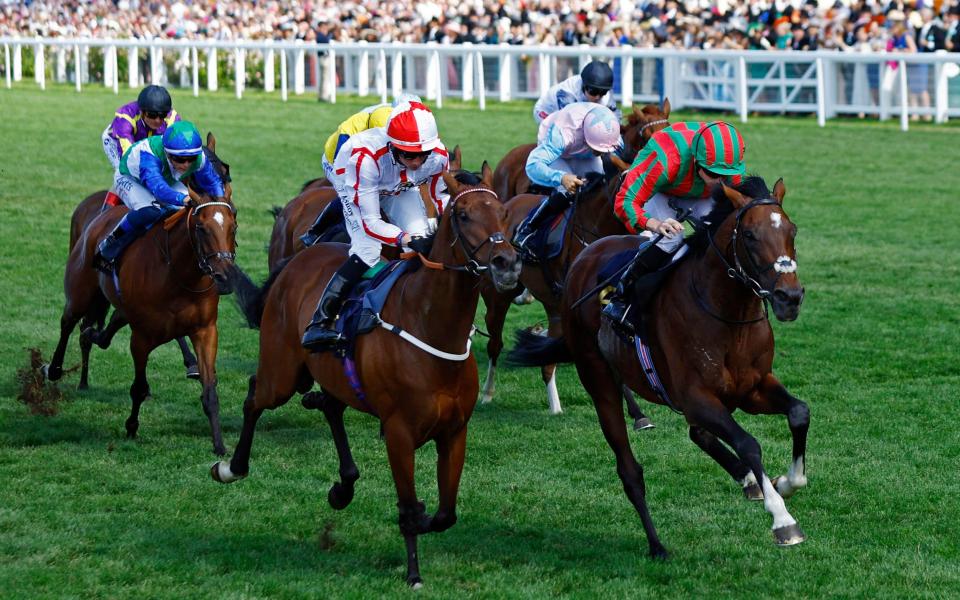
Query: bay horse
pixel 298 215
pixel 90 333
pixel 592 219
pixel 710 340
pixel 171 287
pixel 417 396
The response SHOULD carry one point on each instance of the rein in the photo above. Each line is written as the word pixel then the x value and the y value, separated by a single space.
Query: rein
pixel 472 265
pixel 203 261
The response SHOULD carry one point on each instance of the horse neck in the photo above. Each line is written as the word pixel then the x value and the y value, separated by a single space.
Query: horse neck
pixel 176 249
pixel 595 213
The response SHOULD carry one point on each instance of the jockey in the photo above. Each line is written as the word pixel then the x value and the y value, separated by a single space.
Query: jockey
pixel 151 114
pixel 593 84
pixel 381 168
pixel 570 143
pixel 368 118
pixel 149 180
pixel 679 166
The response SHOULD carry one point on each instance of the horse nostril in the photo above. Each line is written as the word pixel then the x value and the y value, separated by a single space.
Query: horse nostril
pixel 791 296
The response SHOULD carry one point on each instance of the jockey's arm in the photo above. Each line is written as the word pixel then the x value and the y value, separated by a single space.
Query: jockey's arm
pixel 151 176
pixel 366 197
pixel 208 179
pixel 547 151
pixel 564 98
pixel 121 128
pixel 639 185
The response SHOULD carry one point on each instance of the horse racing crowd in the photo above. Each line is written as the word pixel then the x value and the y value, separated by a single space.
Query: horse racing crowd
pixel 852 25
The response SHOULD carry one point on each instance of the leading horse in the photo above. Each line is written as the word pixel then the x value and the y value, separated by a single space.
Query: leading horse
pixel 170 287
pixel 417 396
pixel 710 340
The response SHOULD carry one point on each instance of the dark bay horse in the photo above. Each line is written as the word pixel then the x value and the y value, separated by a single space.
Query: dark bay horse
pixel 710 341
pixel 510 176
pixel 83 214
pixel 170 287
pixel 417 396
pixel 294 219
pixel 592 219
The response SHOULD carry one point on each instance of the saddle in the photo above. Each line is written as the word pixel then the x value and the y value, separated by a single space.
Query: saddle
pixel 645 287
pixel 547 241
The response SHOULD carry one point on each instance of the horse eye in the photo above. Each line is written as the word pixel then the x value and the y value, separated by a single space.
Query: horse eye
pixel 749 234
pixel 462 215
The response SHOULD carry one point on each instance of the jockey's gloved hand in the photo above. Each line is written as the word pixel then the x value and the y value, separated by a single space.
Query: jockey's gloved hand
pixel 421 244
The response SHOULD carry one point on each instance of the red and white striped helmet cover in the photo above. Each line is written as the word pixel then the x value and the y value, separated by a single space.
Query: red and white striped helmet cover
pixel 411 127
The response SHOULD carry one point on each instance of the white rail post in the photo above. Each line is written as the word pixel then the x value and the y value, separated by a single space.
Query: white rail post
pixel 396 80
pixel 17 63
pixel 133 62
pixel 283 75
pixel 115 58
pixel 299 64
pixel 154 67
pixel 904 103
pixel 941 92
pixel 363 72
pixel 505 81
pixel 6 59
pixel 543 67
pixel 381 78
pixel 626 76
pixel 884 69
pixel 240 71
pixel 466 74
pixel 433 74
pixel 821 96
pixel 742 95
pixel 195 68
pixel 269 76
pixel 212 76
pixel 107 67
pixel 331 74
pixel 39 66
pixel 481 85
pixel 76 64
pixel 585 58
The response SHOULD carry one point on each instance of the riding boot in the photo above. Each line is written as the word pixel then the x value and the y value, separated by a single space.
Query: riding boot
pixel 330 215
pixel 646 261
pixel 320 334
pixel 113 245
pixel 548 209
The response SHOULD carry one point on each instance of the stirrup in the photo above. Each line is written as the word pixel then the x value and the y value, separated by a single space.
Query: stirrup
pixel 616 311
pixel 309 239
pixel 105 266
pixel 319 338
pixel 527 254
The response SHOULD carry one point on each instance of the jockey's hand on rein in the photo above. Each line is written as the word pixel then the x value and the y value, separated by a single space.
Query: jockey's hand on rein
pixel 421 244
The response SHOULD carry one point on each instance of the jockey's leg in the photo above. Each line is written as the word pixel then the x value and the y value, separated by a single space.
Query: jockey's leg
pixel 131 226
pixel 328 217
pixel 320 334
pixel 554 205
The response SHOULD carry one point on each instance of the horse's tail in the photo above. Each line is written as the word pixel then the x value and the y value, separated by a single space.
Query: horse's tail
pixel 275 211
pixel 533 350
pixel 250 298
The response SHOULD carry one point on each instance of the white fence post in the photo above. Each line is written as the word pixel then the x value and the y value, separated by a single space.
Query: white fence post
pixel 505 71
pixel 884 92
pixel 363 72
pixel 941 93
pixel 76 64
pixel 195 68
pixel 742 75
pixel 283 75
pixel 434 83
pixel 904 103
pixel 133 64
pixel 481 85
pixel 543 70
pixel 381 78
pixel 239 70
pixel 115 59
pixel 396 78
pixel 269 77
pixel 154 66
pixel 6 59
pixel 17 63
pixel 212 75
pixel 331 75
pixel 626 77
pixel 39 66
pixel 466 77
pixel 107 66
pixel 299 64
pixel 821 93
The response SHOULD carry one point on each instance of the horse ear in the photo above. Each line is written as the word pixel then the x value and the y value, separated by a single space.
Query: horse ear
pixel 737 199
pixel 779 190
pixel 456 159
pixel 666 108
pixel 453 186
pixel 486 174
pixel 637 111
pixel 211 141
pixel 618 162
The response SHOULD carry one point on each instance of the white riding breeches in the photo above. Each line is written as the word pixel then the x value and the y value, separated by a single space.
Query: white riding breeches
pixel 405 210
pixel 659 208
pixel 578 166
pixel 133 194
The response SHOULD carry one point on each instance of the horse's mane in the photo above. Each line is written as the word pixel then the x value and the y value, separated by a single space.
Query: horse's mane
pixel 752 186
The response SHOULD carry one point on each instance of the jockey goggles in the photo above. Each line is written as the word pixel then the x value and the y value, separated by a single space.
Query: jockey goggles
pixel 593 91
pixel 412 155
pixel 154 115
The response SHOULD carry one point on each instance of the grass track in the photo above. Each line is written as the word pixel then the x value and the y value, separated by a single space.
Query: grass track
pixel 86 513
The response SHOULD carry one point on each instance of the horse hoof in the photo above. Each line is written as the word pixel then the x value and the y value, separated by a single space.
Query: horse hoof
pixel 219 451
pixel 753 492
pixel 221 473
pixel 83 386
pixel 790 535
pixel 415 582
pixel 51 373
pixel 339 496
pixel 193 372
pixel 643 423
pixel 659 553
pixel 313 401
pixel 782 486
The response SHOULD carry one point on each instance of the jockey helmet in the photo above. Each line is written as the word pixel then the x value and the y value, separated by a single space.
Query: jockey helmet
pixel 601 130
pixel 182 139
pixel 405 98
pixel 412 128
pixel 155 99
pixel 719 148
pixel 597 75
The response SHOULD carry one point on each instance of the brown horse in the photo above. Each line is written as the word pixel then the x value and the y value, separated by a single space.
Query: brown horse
pixel 593 218
pixel 83 214
pixel 510 176
pixel 710 341
pixel 294 219
pixel 417 396
pixel 170 288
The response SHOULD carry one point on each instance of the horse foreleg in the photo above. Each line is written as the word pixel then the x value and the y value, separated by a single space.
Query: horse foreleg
pixel 85 346
pixel 497 306
pixel 104 336
pixel 640 420
pixel 451 451
pixel 140 348
pixel 549 372
pixel 604 389
pixel 413 518
pixel 341 492
pixel 54 370
pixel 239 465
pixel 205 342
pixel 740 472
pixel 189 360
pixel 777 399
pixel 714 417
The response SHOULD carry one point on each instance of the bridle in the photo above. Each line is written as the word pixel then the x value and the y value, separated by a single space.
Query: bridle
pixel 472 266
pixel 203 260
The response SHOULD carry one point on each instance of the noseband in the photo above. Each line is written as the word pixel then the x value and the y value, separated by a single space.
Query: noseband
pixel 472 266
pixel 203 261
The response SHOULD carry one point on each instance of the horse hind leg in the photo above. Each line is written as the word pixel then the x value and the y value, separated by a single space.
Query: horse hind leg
pixel 549 372
pixel 640 420
pixel 103 336
pixel 239 466
pixel 497 306
pixel 140 348
pixel 341 492
pixel 53 370
pixel 189 360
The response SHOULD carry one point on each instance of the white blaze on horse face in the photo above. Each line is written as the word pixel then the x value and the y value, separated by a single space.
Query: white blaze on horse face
pixel 218 218
pixel 776 219
pixel 784 264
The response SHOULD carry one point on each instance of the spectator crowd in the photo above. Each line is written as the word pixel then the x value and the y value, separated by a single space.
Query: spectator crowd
pixel 851 25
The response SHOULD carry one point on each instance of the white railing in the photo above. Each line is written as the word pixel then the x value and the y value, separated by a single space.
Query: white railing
pixel 824 83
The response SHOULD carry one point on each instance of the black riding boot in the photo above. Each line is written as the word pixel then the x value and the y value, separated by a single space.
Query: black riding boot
pixel 110 248
pixel 320 334
pixel 548 209
pixel 328 217
pixel 651 259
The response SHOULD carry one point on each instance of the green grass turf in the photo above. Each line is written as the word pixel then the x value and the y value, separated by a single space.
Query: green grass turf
pixel 86 513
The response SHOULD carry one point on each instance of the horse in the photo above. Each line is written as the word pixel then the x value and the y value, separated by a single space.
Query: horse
pixel 417 396
pixel 592 219
pixel 171 289
pixel 83 214
pixel 510 176
pixel 294 219
pixel 710 339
